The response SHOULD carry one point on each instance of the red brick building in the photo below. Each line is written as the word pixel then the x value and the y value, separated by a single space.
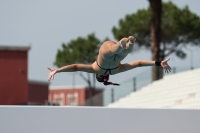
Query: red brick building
pixel 15 89
pixel 37 92
pixel 74 95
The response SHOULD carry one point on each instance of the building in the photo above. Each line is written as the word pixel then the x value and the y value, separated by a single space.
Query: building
pixel 15 89
pixel 75 95
pixel 37 92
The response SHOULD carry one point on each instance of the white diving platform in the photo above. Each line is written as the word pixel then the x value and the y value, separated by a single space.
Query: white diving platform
pixel 68 119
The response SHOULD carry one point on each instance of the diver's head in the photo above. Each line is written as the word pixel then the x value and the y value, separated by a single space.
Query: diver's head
pixel 104 79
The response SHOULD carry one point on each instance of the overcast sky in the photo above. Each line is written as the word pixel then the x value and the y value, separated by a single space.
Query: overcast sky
pixel 45 24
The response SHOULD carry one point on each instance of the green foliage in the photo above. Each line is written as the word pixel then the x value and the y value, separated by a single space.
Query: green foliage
pixel 136 25
pixel 80 50
pixel 178 27
pixel 180 54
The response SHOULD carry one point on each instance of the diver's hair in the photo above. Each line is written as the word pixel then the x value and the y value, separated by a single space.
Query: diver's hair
pixel 101 78
pixel 104 79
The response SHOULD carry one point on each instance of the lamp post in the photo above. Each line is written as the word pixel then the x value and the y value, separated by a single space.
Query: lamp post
pixel 73 88
pixel 72 97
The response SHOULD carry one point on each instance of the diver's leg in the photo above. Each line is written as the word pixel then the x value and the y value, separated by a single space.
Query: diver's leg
pixel 119 46
pixel 130 44
pixel 110 48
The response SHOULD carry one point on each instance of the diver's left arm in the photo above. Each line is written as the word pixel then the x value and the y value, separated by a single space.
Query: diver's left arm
pixel 142 63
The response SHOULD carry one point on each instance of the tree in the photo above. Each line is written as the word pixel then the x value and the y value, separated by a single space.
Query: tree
pixel 155 30
pixel 179 28
pixel 80 50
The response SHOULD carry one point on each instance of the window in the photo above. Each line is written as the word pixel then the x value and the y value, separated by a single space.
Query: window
pixel 72 101
pixel 59 101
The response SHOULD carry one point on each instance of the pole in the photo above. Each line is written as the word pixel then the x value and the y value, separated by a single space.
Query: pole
pixel 174 70
pixel 191 59
pixel 134 84
pixel 112 95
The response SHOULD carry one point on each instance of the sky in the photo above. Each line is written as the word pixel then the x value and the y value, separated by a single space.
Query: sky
pixel 46 24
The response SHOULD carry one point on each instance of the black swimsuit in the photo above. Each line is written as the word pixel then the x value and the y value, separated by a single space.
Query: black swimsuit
pixel 108 70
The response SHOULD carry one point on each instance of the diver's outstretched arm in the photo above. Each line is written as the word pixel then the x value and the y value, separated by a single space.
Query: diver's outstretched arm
pixel 141 63
pixel 71 68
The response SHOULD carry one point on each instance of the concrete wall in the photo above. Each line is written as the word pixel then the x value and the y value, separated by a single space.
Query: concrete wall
pixel 35 119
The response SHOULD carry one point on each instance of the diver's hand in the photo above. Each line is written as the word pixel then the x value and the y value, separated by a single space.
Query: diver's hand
pixel 165 65
pixel 51 73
